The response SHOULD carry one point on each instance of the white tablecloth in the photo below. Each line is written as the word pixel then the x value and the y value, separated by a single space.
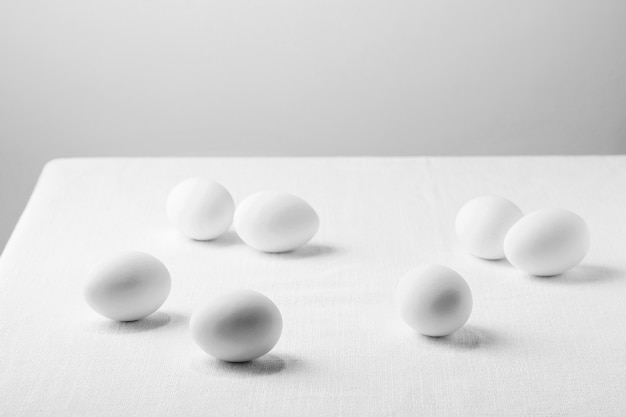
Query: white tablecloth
pixel 533 346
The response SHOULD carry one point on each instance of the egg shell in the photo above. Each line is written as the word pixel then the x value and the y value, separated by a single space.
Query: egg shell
pixel 274 221
pixel 434 300
pixel 127 287
pixel 200 208
pixel 237 327
pixel 547 242
pixel 482 224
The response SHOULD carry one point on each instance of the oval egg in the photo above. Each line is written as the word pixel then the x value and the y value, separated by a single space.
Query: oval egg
pixel 237 327
pixel 434 300
pixel 272 221
pixel 547 242
pixel 483 222
pixel 128 287
pixel 200 208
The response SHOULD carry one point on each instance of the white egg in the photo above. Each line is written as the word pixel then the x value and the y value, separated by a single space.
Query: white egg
pixel 200 208
pixel 237 327
pixel 483 222
pixel 434 300
pixel 272 221
pixel 127 287
pixel 547 242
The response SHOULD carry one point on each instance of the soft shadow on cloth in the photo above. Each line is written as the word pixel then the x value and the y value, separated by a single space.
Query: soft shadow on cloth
pixel 309 250
pixel 170 235
pixel 152 322
pixel 265 365
pixel 580 274
pixel 498 263
pixel 585 274
pixel 229 238
pixel 468 337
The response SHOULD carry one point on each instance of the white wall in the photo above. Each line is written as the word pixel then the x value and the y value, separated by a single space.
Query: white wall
pixel 167 77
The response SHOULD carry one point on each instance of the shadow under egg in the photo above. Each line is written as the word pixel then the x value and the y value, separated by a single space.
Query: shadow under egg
pixel 308 251
pixel 152 322
pixel 584 274
pixel 468 337
pixel 227 239
pixel 266 365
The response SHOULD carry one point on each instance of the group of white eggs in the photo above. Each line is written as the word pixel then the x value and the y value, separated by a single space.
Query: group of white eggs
pixel 269 221
pixel 436 301
pixel 235 327
pixel 243 325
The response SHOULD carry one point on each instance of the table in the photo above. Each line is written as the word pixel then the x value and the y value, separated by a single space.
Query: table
pixel 532 347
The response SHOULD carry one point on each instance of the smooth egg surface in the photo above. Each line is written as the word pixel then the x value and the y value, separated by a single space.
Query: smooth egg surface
pixel 434 300
pixel 200 208
pixel 237 327
pixel 273 221
pixel 483 222
pixel 127 287
pixel 547 242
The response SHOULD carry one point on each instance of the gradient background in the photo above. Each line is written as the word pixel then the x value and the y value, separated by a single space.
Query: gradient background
pixel 323 77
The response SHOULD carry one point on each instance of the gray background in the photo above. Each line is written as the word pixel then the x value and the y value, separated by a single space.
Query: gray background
pixel 323 77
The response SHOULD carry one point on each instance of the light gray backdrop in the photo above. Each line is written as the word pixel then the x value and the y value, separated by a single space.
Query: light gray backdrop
pixel 305 77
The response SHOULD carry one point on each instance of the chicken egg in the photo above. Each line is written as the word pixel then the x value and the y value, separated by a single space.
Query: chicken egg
pixel 434 300
pixel 547 242
pixel 482 223
pixel 200 208
pixel 237 327
pixel 273 221
pixel 127 287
